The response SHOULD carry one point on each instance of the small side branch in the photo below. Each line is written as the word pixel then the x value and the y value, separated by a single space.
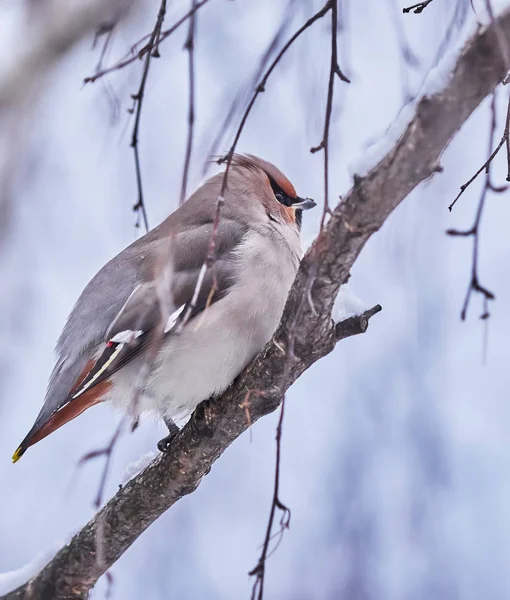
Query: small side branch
pixel 355 325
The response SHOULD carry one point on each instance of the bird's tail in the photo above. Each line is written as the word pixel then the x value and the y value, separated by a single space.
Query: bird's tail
pixel 62 416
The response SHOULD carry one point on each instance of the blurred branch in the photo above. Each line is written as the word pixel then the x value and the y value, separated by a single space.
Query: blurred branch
pixel 49 33
pixel 136 54
pixel 215 425
pixel 53 31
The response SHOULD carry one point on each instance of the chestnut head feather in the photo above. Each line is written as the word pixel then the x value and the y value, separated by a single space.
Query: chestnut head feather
pixel 280 197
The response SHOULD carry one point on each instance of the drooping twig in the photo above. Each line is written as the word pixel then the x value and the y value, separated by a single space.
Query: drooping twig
pixel 290 358
pixel 417 8
pixel 474 232
pixel 210 259
pixel 224 126
pixel 505 139
pixel 262 85
pixel 333 72
pixel 152 45
pixel 259 571
pixel 137 53
pixel 190 47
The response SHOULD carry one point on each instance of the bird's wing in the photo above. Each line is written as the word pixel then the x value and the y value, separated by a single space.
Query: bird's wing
pixel 119 311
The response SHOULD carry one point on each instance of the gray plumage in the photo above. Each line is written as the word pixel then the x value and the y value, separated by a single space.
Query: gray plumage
pixel 257 254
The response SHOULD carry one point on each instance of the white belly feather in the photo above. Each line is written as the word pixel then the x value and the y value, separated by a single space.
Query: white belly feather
pixel 204 359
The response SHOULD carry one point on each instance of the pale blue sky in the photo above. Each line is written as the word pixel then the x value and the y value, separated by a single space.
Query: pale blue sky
pixel 396 460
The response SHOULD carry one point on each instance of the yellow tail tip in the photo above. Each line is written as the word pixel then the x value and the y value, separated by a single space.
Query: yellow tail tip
pixel 17 455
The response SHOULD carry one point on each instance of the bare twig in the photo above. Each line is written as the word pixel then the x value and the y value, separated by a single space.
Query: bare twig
pixel 259 570
pixel 227 158
pixel 355 325
pixel 474 231
pixel 152 45
pixel 190 47
pixel 417 8
pixel 136 54
pixel 333 71
pixel 290 358
pixel 505 139
pixel 156 335
pixel 223 128
pixel 261 87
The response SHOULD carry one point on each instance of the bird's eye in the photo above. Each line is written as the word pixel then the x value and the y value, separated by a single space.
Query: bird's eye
pixel 279 197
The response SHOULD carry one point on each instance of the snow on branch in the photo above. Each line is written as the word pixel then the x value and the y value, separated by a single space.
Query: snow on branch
pixel 306 321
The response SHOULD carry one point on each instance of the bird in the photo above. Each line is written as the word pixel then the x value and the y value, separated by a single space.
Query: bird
pixel 161 328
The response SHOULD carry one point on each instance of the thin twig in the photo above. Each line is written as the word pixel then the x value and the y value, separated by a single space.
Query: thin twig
pixel 333 71
pixel 290 359
pixel 154 48
pixel 227 158
pixel 474 231
pixel 190 47
pixel 504 140
pixel 260 568
pixel 139 207
pixel 237 101
pixel 261 87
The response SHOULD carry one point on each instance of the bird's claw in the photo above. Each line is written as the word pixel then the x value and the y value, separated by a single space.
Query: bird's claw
pixel 165 443
pixel 173 430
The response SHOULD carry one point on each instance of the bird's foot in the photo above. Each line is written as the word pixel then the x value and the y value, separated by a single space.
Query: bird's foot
pixel 165 443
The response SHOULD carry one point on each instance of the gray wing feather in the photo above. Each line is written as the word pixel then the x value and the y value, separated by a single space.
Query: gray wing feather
pixel 109 302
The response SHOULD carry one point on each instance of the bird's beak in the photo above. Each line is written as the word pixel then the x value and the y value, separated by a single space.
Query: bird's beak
pixel 304 204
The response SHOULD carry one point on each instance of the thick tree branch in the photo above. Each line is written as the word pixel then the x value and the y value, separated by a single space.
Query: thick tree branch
pixel 214 426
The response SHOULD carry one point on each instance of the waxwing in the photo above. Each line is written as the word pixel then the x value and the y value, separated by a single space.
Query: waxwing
pixel 145 337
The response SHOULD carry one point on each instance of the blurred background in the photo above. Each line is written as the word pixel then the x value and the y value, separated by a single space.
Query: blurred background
pixel 396 461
